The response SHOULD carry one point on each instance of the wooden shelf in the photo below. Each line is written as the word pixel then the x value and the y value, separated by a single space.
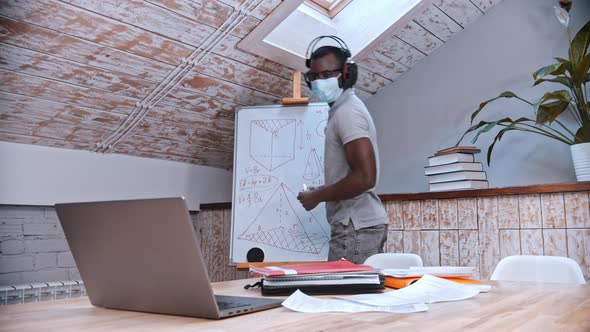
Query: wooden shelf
pixel 534 189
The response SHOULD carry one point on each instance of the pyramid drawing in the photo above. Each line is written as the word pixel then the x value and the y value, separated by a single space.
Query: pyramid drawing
pixel 313 166
pixel 283 223
pixel 272 142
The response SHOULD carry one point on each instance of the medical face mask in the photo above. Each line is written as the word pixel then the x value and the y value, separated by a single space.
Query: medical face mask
pixel 327 90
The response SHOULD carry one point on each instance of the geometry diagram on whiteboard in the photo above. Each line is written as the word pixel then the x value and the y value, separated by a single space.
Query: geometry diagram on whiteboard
pixel 272 142
pixel 284 223
pixel 313 167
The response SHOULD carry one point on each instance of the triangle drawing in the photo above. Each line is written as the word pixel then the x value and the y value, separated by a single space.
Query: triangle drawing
pixel 284 223
pixel 313 166
pixel 272 142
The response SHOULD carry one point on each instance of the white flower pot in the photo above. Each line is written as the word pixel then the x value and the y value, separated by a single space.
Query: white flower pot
pixel 581 159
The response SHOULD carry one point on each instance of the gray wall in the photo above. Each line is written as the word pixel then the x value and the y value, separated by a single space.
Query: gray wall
pixel 429 107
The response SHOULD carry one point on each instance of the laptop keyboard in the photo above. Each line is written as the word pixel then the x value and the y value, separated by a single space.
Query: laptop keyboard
pixel 231 305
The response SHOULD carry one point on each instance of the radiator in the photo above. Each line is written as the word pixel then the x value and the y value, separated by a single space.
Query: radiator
pixel 44 291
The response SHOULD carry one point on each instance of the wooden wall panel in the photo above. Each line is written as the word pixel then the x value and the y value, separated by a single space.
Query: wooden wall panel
pixel 412 242
pixel 555 242
pixel 394 215
pixel 469 250
pixel 430 251
pixel 429 211
pixel 467 213
pixel 385 66
pixel 529 207
pixel 509 242
pixel 577 209
pixel 449 248
pixel 578 245
pixel 395 242
pixel 508 215
pixel 485 245
pixel 485 5
pixel 448 214
pixel 531 241
pixel 412 215
pixel 553 210
pixel 488 234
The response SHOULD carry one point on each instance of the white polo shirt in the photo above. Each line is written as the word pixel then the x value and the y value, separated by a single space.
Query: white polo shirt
pixel 348 120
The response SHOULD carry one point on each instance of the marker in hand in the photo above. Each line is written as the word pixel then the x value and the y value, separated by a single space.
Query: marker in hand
pixel 304 188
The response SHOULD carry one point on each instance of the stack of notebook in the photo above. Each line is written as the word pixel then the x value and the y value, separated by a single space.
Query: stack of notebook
pixel 455 168
pixel 340 277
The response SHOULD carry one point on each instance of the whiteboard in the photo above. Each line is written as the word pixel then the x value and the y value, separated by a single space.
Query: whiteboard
pixel 277 149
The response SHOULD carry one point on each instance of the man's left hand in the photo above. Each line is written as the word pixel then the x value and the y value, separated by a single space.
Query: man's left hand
pixel 309 199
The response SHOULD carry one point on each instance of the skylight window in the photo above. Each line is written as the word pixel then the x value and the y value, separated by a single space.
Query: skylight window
pixel 284 35
pixel 329 8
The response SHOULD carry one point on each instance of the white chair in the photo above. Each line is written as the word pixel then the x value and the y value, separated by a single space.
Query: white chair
pixel 393 261
pixel 553 269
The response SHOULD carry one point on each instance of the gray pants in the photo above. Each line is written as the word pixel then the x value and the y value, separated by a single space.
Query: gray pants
pixel 356 245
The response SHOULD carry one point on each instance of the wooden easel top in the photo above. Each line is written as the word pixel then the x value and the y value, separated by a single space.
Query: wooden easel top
pixel 296 99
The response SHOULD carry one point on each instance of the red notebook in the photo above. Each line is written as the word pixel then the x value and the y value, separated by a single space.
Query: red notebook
pixel 313 268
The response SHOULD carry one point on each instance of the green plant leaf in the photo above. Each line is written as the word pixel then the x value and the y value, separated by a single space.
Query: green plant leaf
pixel 547 113
pixel 558 59
pixel 558 79
pixel 554 69
pixel 563 95
pixel 580 43
pixel 505 94
pixel 580 71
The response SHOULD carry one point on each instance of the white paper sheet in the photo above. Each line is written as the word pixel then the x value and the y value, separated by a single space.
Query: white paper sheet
pixel 428 289
pixel 441 271
pixel 298 301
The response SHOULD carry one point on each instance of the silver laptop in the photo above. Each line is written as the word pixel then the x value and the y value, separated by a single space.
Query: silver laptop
pixel 143 255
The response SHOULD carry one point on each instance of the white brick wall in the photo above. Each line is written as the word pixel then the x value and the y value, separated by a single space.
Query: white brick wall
pixel 33 247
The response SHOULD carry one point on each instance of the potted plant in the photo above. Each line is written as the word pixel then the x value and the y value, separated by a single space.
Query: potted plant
pixel 573 74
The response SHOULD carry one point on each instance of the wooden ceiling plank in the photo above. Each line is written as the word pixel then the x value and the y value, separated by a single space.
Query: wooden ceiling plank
pixel 438 23
pixel 51 142
pixel 152 145
pixel 88 25
pixel 22 60
pixel 27 108
pixel 262 11
pixel 171 25
pixel 461 11
pixel 370 81
pixel 55 43
pixel 90 53
pixel 50 129
pixel 485 5
pixel 48 66
pixel 55 91
pixel 400 51
pixel 210 12
pixel 236 72
pixel 415 35
pixel 385 66
pixel 34 108
pixel 74 21
pixel 19 83
pixel 204 138
pixel 228 48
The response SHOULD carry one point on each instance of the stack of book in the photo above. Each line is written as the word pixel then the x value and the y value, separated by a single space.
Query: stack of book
pixel 455 168
pixel 340 277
